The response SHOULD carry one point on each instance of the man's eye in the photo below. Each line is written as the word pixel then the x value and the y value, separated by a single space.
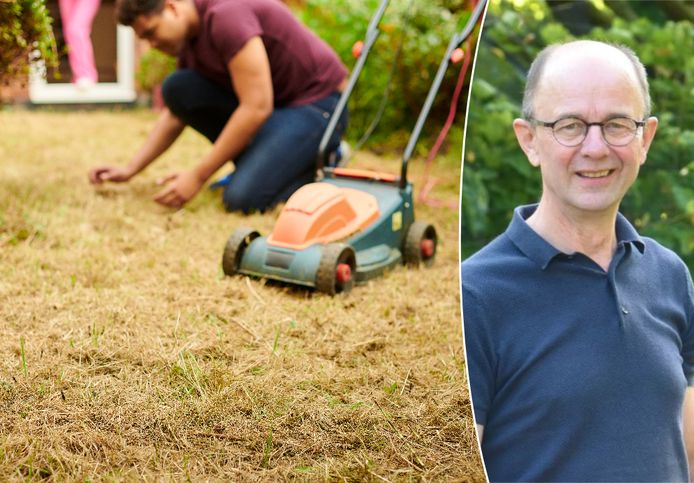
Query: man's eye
pixel 619 125
pixel 570 127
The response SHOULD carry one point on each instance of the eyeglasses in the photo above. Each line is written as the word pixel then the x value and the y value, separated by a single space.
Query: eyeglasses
pixel 572 131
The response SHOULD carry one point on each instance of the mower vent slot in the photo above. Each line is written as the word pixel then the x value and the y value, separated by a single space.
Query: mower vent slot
pixel 279 259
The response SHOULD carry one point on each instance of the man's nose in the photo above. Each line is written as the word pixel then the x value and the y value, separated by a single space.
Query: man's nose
pixel 594 144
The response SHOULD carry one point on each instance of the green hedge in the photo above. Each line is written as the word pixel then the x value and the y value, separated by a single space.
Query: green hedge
pixel 497 176
pixel 433 23
pixel 25 35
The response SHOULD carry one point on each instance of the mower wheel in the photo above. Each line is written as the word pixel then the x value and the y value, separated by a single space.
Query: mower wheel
pixel 336 270
pixel 233 251
pixel 420 244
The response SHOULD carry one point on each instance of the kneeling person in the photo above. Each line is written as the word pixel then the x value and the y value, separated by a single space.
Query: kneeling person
pixel 253 80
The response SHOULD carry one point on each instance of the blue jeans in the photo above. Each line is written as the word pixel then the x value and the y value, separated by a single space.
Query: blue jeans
pixel 279 159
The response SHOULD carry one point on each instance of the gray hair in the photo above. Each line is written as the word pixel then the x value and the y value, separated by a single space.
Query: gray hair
pixel 538 65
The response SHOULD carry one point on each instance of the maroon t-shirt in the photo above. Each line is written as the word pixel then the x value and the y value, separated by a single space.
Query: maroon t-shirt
pixel 303 67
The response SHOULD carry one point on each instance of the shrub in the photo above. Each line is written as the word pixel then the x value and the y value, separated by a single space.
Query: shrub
pixel 153 68
pixel 25 37
pixel 424 42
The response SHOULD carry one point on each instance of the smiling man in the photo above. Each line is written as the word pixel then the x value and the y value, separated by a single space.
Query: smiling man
pixel 253 80
pixel 579 332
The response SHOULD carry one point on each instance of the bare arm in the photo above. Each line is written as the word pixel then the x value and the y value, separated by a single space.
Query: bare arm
pixel 166 130
pixel 688 417
pixel 250 74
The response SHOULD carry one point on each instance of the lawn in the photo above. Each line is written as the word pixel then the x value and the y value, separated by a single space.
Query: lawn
pixel 127 355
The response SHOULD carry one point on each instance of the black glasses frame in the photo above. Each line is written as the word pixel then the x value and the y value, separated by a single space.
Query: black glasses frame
pixel 537 122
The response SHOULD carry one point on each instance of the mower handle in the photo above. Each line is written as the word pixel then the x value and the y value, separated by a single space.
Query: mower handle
pixel 372 33
pixel 457 39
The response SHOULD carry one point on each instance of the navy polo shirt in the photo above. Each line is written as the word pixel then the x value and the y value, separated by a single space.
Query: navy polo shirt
pixel 578 374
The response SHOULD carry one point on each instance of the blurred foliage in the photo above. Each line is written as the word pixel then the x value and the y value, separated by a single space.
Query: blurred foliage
pixel 424 38
pixel 25 37
pixel 497 177
pixel 152 69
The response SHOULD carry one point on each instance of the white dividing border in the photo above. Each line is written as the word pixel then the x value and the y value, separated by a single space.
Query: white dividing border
pixel 123 90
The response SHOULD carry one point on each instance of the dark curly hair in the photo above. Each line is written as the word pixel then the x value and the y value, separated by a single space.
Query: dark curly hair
pixel 128 10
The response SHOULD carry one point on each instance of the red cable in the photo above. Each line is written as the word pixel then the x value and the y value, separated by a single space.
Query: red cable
pixel 426 184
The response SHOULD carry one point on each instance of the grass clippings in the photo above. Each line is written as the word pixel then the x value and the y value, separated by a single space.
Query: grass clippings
pixel 127 355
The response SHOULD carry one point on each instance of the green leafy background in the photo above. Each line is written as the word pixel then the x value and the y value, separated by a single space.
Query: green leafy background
pixel 425 37
pixel 25 34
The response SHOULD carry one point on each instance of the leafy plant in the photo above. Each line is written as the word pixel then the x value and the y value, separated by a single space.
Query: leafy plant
pixel 423 28
pixel 25 37
pixel 153 68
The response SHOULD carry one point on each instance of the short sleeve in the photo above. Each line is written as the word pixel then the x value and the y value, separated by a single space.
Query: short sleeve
pixel 232 25
pixel 688 338
pixel 479 351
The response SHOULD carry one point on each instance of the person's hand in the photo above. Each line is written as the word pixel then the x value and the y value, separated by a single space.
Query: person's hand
pixel 109 173
pixel 181 187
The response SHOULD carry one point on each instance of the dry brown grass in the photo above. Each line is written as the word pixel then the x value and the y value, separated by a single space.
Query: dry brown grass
pixel 125 354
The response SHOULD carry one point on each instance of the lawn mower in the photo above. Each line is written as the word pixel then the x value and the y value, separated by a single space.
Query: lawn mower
pixel 351 225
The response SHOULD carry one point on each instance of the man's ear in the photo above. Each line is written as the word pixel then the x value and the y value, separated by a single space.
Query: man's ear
pixel 173 5
pixel 648 134
pixel 525 134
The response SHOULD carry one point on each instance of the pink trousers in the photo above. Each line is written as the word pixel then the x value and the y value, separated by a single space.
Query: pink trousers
pixel 78 16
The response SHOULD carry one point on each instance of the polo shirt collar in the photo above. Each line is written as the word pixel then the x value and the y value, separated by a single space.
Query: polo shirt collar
pixel 541 252
pixel 626 233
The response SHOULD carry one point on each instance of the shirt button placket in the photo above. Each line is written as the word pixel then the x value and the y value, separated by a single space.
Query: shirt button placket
pixel 612 280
